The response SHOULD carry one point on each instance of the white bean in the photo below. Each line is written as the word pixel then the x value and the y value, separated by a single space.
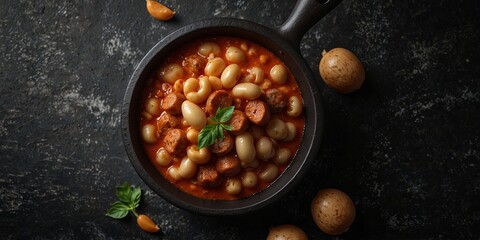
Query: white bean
pixel 258 74
pixel 245 147
pixel 268 173
pixel 215 83
pixel 294 106
pixel 291 132
pixel 233 186
pixel 163 157
pixel 193 115
pixel 253 164
pixel 266 84
pixel 249 179
pixel 282 156
pixel 244 46
pixel 173 172
pixel 178 86
pixel 278 73
pixel 235 55
pixel 187 168
pixel 230 76
pixel 192 135
pixel 249 91
pixel 198 156
pixel 197 90
pixel 149 133
pixel 263 59
pixel 170 73
pixel 152 106
pixel 247 79
pixel 215 67
pixel 265 149
pixel 147 116
pixel 276 129
pixel 208 48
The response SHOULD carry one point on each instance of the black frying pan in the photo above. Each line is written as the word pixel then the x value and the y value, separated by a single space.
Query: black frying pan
pixel 283 42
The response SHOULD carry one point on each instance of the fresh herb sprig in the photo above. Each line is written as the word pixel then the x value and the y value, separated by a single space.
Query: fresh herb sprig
pixel 129 201
pixel 213 131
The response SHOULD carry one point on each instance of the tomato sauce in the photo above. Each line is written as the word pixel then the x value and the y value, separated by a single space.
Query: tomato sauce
pixel 255 56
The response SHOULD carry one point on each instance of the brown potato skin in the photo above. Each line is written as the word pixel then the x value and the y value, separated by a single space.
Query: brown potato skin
pixel 286 232
pixel 341 70
pixel 333 211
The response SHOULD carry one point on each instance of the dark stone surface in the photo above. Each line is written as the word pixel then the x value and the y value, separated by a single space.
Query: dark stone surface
pixel 406 147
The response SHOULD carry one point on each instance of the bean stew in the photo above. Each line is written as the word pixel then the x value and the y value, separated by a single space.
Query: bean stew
pixel 190 86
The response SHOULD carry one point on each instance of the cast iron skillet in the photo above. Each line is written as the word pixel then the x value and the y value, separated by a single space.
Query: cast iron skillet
pixel 283 42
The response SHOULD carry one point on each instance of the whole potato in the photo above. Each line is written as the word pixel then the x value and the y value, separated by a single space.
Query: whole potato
pixel 286 232
pixel 341 70
pixel 333 211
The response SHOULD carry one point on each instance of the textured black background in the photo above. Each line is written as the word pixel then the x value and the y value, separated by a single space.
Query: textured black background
pixel 406 147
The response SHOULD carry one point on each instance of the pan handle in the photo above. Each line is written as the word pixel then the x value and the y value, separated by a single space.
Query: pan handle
pixel 305 14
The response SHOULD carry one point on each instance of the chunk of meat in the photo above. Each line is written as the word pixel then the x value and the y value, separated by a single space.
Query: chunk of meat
pixel 175 140
pixel 208 177
pixel 257 112
pixel 223 146
pixel 172 103
pixel 238 122
pixel 219 98
pixel 228 165
pixel 275 100
pixel 194 65
pixel 165 122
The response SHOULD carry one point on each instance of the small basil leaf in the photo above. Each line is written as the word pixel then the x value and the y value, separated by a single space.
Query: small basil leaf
pixel 135 198
pixel 210 133
pixel 219 132
pixel 227 127
pixel 124 193
pixel 118 210
pixel 207 136
pixel 224 114
pixel 213 119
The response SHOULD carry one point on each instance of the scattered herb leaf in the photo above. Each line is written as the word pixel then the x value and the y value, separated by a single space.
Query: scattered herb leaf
pixel 118 210
pixel 129 200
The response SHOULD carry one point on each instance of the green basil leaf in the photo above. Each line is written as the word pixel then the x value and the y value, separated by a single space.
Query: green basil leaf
pixel 214 119
pixel 124 193
pixel 135 198
pixel 207 136
pixel 224 114
pixel 227 127
pixel 219 130
pixel 118 210
pixel 210 133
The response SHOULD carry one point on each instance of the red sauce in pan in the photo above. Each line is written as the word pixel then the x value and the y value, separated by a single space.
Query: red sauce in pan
pixel 254 56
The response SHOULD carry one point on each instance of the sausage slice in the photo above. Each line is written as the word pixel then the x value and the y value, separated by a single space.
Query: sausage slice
pixel 238 122
pixel 194 65
pixel 175 140
pixel 219 98
pixel 208 177
pixel 166 121
pixel 228 165
pixel 223 146
pixel 257 112
pixel 275 100
pixel 172 103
